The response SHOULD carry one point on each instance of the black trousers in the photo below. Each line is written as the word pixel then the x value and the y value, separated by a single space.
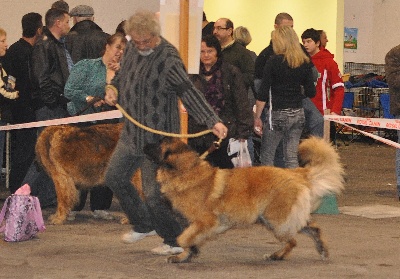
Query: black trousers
pixel 22 155
pixel 100 198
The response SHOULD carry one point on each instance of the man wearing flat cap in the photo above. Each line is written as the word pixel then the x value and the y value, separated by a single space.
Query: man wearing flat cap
pixel 86 39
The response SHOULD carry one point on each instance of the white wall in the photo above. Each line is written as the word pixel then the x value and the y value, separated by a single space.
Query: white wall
pixel 378 23
pixel 108 13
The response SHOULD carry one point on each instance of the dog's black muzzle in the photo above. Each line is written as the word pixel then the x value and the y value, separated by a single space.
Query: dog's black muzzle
pixel 153 152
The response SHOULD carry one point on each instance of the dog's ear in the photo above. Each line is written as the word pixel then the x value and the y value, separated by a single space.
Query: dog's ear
pixel 164 160
pixel 152 152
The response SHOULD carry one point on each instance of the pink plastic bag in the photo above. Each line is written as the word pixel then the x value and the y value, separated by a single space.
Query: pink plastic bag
pixel 22 217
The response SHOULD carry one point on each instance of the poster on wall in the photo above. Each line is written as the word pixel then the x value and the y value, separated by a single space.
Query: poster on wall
pixel 350 38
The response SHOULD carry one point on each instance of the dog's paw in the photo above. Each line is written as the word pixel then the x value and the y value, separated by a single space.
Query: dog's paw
pixel 324 255
pixel 173 259
pixel 273 257
pixel 266 257
pixel 184 257
pixel 124 221
pixel 195 251
pixel 54 219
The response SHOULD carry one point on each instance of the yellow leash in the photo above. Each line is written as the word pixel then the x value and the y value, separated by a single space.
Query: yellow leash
pixel 160 132
pixel 214 146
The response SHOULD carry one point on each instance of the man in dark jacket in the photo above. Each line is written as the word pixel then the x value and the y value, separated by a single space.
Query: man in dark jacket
pixel 86 39
pixel 51 64
pixel 233 52
pixel 392 70
pixel 17 64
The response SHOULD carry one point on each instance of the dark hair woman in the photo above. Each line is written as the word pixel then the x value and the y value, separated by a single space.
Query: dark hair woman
pixel 224 89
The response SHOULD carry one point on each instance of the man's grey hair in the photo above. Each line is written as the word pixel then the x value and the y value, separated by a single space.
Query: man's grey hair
pixel 142 23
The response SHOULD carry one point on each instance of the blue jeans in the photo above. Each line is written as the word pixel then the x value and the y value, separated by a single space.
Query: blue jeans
pixel 314 119
pixel 398 161
pixel 314 125
pixel 250 147
pixel 287 126
pixel 153 213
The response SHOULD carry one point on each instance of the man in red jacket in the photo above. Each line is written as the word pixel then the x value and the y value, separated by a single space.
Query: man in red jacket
pixel 330 86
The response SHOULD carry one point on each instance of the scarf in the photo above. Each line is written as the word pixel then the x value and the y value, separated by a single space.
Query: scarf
pixel 214 92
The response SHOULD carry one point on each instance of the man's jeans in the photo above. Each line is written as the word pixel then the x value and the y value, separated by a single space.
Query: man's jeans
pixel 155 212
pixel 398 161
pixel 314 119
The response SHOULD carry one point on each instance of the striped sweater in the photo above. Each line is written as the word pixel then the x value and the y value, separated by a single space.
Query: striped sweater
pixel 149 87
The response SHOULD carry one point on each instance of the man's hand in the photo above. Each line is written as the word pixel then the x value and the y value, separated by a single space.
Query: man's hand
pixel 110 97
pixel 220 130
pixel 96 104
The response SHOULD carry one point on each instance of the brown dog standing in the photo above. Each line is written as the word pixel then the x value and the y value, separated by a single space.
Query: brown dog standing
pixel 76 158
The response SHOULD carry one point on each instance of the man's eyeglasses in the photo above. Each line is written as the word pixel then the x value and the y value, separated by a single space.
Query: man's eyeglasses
pixel 144 42
pixel 219 28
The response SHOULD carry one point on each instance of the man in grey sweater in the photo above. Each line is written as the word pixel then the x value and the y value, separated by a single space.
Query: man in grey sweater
pixel 151 79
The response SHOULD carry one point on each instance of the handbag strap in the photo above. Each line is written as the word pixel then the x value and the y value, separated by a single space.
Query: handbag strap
pixel 38 216
pixel 3 213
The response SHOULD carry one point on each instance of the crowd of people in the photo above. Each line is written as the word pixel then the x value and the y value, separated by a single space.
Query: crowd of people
pixel 60 72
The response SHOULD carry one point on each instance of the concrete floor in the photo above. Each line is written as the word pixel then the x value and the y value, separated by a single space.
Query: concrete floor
pixel 360 247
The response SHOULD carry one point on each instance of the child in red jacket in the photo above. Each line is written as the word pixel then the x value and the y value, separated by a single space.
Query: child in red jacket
pixel 330 86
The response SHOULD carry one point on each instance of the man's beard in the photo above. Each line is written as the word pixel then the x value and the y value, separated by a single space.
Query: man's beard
pixel 146 52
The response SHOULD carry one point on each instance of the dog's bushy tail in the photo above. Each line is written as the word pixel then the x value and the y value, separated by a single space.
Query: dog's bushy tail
pixel 326 173
pixel 43 145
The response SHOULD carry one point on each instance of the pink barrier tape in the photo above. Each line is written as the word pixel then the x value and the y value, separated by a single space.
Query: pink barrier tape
pixel 393 124
pixel 68 120
pixel 382 123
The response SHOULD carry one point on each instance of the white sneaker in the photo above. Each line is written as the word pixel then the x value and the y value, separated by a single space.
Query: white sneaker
pixel 165 250
pixel 132 236
pixel 71 215
pixel 102 214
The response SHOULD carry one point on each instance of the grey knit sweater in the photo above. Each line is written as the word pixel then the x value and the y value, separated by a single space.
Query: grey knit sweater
pixel 149 87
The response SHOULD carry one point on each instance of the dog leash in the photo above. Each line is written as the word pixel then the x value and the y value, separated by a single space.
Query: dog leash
pixel 202 133
pixel 214 146
pixel 88 105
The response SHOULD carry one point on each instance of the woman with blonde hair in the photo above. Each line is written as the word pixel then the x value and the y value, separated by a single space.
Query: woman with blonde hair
pixel 7 84
pixel 242 35
pixel 287 79
pixel 7 93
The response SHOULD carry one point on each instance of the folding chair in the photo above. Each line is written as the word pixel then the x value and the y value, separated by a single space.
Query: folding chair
pixel 347 109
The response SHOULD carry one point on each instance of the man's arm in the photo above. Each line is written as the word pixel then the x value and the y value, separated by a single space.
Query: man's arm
pixel 337 85
pixel 392 67
pixel 193 99
pixel 41 75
